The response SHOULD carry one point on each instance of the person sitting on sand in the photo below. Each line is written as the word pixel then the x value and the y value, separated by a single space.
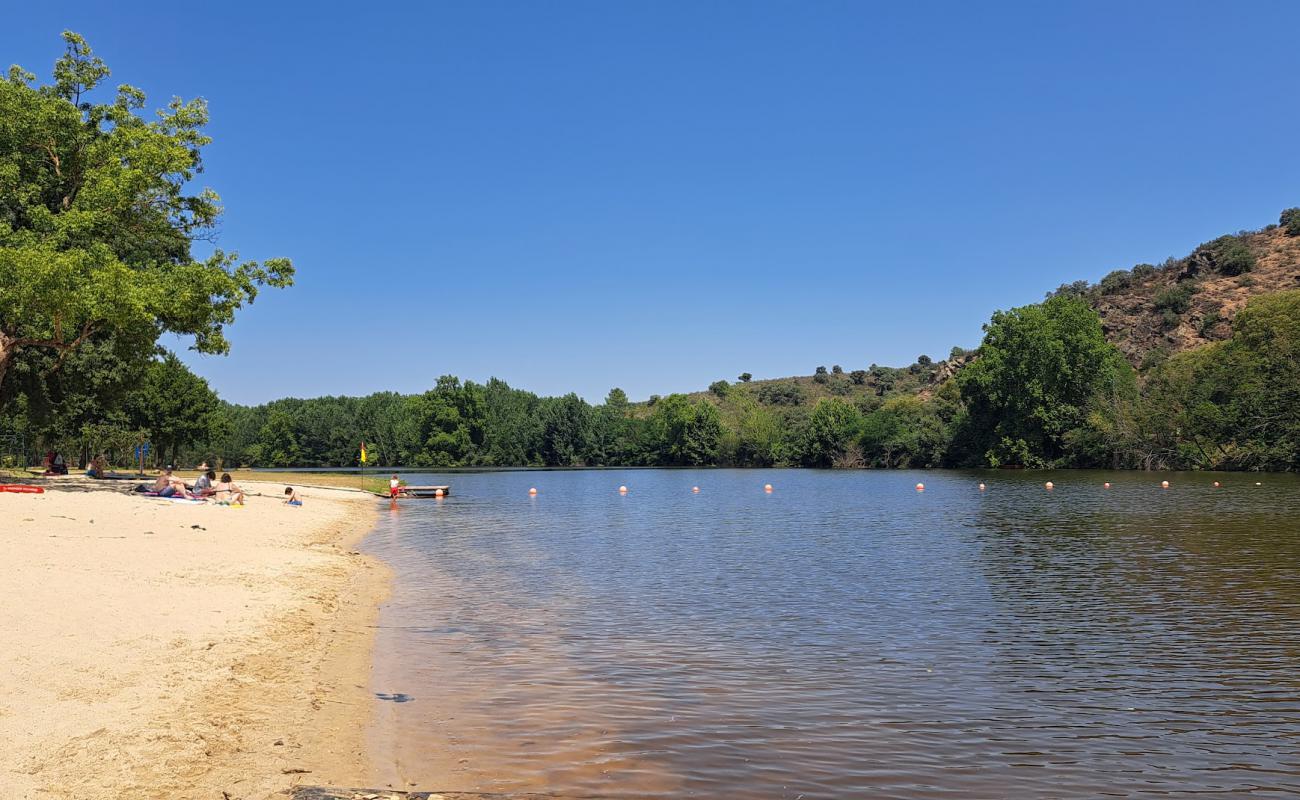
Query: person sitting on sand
pixel 226 491
pixel 163 482
pixel 203 485
pixel 98 467
pixel 169 485
pixel 291 497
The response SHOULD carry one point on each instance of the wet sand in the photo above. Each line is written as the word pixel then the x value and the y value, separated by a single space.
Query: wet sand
pixel 160 650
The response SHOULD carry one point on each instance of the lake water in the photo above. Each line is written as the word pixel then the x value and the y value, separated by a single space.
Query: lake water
pixel 843 636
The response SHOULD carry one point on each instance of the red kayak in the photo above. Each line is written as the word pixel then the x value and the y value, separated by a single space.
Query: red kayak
pixel 19 488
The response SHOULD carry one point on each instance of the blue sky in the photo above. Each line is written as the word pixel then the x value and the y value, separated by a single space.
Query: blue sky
pixel 653 195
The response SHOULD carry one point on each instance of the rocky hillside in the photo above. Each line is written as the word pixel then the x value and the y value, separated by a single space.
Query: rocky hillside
pixel 1153 312
pixel 1150 312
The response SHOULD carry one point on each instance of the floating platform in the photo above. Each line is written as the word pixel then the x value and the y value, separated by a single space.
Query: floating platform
pixel 417 492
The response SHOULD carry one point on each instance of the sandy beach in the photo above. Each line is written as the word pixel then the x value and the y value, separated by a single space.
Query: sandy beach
pixel 161 650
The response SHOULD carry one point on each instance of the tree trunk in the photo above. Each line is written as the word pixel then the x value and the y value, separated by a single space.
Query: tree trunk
pixel 7 352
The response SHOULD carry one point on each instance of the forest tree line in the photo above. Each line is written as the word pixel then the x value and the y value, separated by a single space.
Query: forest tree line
pixel 1044 389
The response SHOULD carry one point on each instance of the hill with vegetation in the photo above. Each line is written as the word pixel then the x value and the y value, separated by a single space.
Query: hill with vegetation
pixel 1152 312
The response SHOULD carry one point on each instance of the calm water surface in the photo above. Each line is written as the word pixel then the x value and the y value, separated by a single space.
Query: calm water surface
pixel 843 636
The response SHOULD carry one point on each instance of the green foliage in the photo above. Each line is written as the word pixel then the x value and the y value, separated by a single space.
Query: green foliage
pixel 781 393
pixel 1081 289
pixel 567 431
pixel 1206 326
pixel 1177 298
pixel 1290 221
pixel 1116 281
pixel 837 370
pixel 745 377
pixel 831 431
pixel 688 433
pixel 175 406
pixel 720 388
pixel 97 221
pixel 858 377
pixel 1039 368
pixel 1228 255
pixel 904 432
pixel 752 436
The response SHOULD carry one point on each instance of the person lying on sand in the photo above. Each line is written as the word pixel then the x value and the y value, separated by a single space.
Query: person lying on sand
pixel 226 491
pixel 291 497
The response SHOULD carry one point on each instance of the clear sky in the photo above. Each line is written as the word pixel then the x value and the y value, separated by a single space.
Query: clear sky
pixel 653 195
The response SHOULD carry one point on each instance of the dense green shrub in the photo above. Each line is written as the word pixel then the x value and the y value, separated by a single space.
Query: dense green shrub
pixel 720 388
pixel 745 377
pixel 1290 221
pixel 1207 323
pixel 781 393
pixel 1177 298
pixel 1228 255
pixel 1116 281
pixel 1141 271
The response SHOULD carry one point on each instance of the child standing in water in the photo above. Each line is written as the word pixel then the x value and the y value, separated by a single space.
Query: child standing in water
pixel 394 486
pixel 291 497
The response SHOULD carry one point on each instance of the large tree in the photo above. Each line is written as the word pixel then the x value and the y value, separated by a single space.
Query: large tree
pixel 98 219
pixel 1040 369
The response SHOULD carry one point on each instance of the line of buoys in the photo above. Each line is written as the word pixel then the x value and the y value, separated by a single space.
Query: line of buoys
pixel 920 487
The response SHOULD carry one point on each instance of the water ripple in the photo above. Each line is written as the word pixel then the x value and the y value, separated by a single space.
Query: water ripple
pixel 845 636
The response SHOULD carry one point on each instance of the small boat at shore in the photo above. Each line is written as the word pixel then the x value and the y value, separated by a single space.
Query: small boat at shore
pixel 417 492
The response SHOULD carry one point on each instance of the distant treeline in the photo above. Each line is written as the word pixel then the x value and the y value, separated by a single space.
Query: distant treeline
pixel 1045 389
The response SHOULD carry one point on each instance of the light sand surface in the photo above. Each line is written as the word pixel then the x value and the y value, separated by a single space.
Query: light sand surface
pixel 156 650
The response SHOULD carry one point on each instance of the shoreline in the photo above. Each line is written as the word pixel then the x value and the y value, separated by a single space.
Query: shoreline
pixel 162 650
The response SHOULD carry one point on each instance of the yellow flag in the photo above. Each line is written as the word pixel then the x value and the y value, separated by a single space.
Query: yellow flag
pixel 363 452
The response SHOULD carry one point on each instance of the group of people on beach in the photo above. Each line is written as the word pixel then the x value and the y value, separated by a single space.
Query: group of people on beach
pixel 207 487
